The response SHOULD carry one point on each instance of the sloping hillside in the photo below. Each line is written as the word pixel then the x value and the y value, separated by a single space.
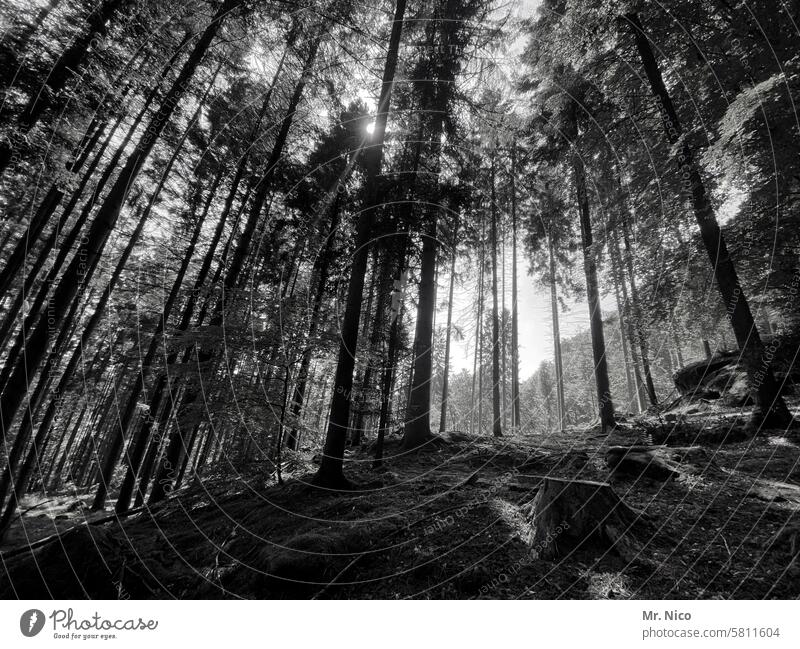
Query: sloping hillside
pixel 451 521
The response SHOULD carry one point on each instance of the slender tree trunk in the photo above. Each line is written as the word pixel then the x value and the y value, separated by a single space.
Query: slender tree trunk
pixel 390 368
pixel 547 395
pixel 148 460
pixel 516 420
pixel 605 405
pixel 449 331
pixel 358 417
pixel 330 474
pixel 382 304
pixel 187 455
pixel 44 475
pixel 477 365
pixel 641 336
pixel 771 410
pixel 61 452
pixel 616 257
pixel 76 428
pixel 556 335
pixel 496 414
pixel 503 330
pixel 633 395
pixel 204 451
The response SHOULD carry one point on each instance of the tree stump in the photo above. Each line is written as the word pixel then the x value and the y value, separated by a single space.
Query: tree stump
pixel 638 461
pixel 569 515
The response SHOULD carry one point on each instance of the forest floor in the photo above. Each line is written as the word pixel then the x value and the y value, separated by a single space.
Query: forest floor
pixel 450 521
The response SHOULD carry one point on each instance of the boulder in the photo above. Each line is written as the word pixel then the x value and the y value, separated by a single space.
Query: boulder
pixel 696 379
pixel 723 376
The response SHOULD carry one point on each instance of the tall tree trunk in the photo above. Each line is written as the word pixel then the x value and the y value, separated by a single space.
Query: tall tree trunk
pixel 390 368
pixel 516 420
pixel 616 258
pixel 497 430
pixel 360 396
pixel 771 410
pixel 641 336
pixel 44 475
pixel 605 405
pixel 330 474
pixel 382 304
pixel 449 330
pixel 53 479
pixel 557 360
pixel 547 395
pixel 477 364
pixel 417 430
pixel 633 395
pixel 503 330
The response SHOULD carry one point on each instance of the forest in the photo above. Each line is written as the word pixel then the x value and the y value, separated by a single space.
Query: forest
pixel 399 299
